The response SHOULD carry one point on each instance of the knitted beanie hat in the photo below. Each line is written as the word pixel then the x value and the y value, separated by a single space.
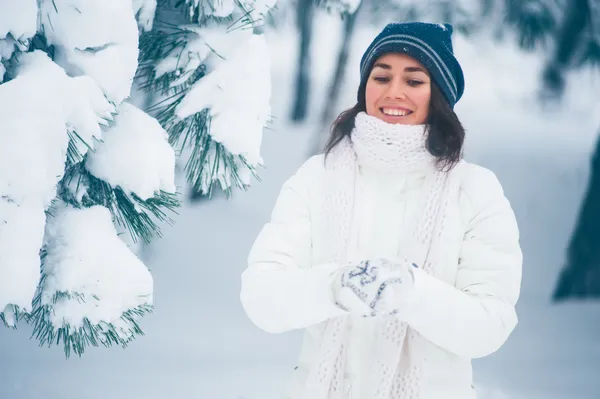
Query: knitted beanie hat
pixel 430 44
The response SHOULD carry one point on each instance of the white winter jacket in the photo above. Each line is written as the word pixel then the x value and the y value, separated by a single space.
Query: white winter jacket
pixel 466 312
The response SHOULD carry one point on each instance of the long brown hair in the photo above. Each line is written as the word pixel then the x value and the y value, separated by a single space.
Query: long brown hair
pixel 446 133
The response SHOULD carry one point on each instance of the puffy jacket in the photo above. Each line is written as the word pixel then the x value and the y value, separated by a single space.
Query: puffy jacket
pixel 465 312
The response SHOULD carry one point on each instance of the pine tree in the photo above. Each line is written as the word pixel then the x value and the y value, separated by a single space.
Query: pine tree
pixel 569 32
pixel 577 45
pixel 84 172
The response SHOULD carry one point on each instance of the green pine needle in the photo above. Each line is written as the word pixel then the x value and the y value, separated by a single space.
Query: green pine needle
pixel 204 175
pixel 155 46
pixel 77 339
pixel 17 315
pixel 73 154
pixel 193 132
pixel 127 209
pixel 245 21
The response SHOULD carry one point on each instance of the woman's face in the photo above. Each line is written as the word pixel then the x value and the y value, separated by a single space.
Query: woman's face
pixel 398 90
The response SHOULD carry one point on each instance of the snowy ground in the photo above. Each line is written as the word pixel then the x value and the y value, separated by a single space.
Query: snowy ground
pixel 199 344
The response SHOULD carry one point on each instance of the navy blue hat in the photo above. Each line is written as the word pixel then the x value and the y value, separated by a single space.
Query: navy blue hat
pixel 430 44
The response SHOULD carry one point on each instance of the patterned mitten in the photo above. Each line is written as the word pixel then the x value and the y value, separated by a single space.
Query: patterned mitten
pixel 382 286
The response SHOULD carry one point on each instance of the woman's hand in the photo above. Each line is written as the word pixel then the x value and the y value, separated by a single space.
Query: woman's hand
pixel 374 287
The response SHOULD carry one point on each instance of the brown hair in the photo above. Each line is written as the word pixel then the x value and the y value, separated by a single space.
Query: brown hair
pixel 446 133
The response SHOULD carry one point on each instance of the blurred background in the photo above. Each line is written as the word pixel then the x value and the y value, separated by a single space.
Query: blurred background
pixel 531 109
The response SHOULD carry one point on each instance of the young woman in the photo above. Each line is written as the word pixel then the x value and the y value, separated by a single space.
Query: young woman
pixel 399 259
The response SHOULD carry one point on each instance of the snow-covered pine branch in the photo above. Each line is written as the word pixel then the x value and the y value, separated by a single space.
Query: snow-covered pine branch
pixel 32 160
pixel 76 160
pixel 79 163
pixel 199 70
pixel 93 288
pixel 252 10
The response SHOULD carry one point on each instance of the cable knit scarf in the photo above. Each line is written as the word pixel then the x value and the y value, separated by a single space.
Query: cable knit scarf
pixel 395 368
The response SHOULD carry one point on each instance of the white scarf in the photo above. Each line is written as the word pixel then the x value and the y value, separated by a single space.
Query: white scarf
pixel 395 368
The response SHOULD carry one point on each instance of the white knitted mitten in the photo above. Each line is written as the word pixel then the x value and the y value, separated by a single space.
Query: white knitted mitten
pixel 383 287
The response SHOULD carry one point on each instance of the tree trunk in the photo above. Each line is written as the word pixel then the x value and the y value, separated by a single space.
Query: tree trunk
pixel 336 84
pixel 580 277
pixel 340 70
pixel 568 42
pixel 305 14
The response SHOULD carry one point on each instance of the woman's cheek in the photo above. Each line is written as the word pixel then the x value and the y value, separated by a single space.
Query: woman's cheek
pixel 371 97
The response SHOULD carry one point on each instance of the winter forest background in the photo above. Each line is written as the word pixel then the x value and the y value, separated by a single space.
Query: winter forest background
pixel 143 144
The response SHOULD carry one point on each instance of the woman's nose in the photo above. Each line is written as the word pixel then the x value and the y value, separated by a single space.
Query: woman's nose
pixel 396 91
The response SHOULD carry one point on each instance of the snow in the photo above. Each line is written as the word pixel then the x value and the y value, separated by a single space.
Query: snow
pixel 258 8
pixel 18 23
pixel 7 48
pixel 97 38
pixel 217 8
pixel 144 10
pixel 88 110
pixel 238 93
pixel 21 237
pixel 32 159
pixel 93 263
pixel 199 343
pixel 19 18
pixel 200 43
pixel 119 161
pixel 235 60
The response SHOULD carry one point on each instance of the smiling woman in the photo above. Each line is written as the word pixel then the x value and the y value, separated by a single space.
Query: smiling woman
pixel 417 79
pixel 401 260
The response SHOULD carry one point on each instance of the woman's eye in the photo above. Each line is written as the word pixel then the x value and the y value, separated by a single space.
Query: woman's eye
pixel 381 79
pixel 414 82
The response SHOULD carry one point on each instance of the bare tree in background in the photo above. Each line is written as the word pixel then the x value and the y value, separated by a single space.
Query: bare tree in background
pixel 340 69
pixel 305 16
pixel 335 86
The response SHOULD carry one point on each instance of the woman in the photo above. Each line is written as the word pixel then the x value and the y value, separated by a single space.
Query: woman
pixel 400 259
